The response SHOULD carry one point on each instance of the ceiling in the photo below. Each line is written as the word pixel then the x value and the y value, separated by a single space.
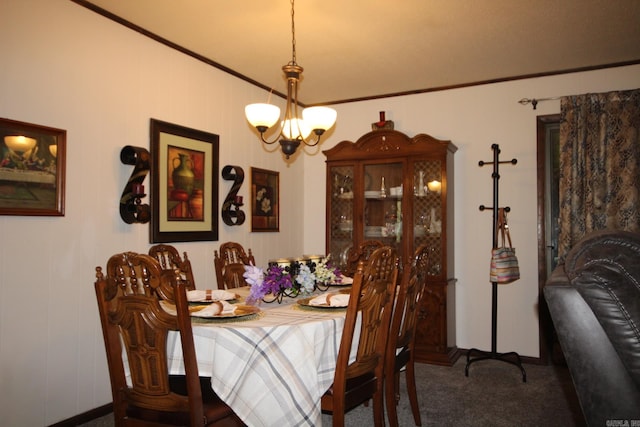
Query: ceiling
pixel 353 50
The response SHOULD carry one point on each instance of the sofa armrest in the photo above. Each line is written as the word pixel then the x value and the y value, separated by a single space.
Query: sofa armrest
pixel 604 387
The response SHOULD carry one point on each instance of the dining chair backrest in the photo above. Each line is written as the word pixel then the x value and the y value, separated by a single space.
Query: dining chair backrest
pixel 400 349
pixel 360 253
pixel 229 264
pixel 134 320
pixel 371 301
pixel 169 259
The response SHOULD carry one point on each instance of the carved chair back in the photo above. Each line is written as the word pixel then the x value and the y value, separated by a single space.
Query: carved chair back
pixel 371 300
pixel 400 350
pixel 135 323
pixel 360 253
pixel 169 259
pixel 229 264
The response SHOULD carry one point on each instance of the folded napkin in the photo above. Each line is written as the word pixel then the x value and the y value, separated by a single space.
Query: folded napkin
pixel 218 308
pixel 346 280
pixel 332 300
pixel 209 295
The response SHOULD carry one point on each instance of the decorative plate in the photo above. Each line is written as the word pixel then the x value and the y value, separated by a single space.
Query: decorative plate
pixel 246 312
pixel 305 303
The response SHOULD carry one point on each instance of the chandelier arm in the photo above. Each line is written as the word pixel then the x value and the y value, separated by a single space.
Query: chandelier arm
pixel 294 102
pixel 312 144
pixel 277 138
pixel 292 99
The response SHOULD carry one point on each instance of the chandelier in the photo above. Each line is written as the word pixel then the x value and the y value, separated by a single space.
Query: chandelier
pixel 293 128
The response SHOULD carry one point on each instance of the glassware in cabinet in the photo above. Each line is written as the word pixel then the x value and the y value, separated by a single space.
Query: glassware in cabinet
pixel 340 211
pixel 428 211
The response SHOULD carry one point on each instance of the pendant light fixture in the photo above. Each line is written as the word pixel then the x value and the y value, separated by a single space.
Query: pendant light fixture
pixel 293 128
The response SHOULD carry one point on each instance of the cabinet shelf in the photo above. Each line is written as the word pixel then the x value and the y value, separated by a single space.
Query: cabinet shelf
pixel 390 198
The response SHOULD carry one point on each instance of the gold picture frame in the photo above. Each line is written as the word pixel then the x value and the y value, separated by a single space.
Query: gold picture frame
pixel 32 169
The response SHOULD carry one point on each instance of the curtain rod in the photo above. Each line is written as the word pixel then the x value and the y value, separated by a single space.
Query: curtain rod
pixel 534 101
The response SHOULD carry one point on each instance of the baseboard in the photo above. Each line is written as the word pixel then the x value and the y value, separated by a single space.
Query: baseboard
pixel 85 417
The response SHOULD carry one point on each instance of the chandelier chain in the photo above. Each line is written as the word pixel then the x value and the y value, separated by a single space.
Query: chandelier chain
pixel 293 34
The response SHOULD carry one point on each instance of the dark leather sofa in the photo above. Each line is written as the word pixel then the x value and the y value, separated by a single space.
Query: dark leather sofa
pixel 594 301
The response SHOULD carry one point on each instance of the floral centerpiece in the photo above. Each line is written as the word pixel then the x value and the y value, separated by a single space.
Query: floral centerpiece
pixel 300 278
pixel 325 273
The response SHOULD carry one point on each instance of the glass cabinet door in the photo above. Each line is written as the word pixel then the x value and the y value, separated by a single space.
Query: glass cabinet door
pixel 428 211
pixel 341 213
pixel 383 192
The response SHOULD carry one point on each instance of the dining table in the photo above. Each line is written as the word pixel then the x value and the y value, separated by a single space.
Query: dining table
pixel 271 367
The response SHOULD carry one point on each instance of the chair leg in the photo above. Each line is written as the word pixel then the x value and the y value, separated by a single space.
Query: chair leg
pixel 411 390
pixel 396 380
pixel 378 408
pixel 337 412
pixel 337 419
pixel 390 398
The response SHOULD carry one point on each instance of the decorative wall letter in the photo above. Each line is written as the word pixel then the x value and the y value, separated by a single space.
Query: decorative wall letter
pixel 131 208
pixel 231 213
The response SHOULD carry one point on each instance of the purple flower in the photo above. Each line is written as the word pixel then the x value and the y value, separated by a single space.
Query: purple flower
pixel 276 279
pixel 254 277
pixel 272 282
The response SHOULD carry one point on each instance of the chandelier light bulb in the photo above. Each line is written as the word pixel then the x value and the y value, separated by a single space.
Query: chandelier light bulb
pixel 319 118
pixel 292 129
pixel 262 115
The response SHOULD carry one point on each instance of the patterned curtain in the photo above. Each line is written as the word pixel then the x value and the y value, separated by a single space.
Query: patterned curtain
pixel 599 165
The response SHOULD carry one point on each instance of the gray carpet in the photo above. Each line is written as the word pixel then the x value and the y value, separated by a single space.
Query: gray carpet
pixel 492 395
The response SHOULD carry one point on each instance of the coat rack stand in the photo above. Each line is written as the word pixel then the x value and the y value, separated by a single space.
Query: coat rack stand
pixel 510 357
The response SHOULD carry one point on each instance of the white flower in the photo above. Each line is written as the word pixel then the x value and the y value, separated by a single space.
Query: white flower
pixel 306 279
pixel 325 273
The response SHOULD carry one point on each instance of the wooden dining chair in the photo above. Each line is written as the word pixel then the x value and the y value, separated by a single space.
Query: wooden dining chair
pixel 229 264
pixel 169 259
pixel 371 300
pixel 400 349
pixel 360 253
pixel 133 318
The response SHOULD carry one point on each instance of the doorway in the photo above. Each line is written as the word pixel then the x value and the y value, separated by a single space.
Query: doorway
pixel 548 155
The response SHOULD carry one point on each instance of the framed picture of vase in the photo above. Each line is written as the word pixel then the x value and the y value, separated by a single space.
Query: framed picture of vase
pixel 32 169
pixel 184 184
pixel 265 200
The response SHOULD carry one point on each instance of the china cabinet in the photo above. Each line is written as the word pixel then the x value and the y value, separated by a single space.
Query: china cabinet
pixel 398 189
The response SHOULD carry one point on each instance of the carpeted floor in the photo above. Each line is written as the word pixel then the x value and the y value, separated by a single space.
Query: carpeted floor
pixel 492 395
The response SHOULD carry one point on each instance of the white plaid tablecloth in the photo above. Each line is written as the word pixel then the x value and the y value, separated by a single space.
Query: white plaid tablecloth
pixel 272 370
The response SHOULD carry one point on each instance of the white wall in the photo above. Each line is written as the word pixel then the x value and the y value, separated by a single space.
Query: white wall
pixel 473 119
pixel 66 67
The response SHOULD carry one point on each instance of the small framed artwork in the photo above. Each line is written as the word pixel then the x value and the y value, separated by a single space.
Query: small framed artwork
pixel 265 200
pixel 184 183
pixel 32 169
